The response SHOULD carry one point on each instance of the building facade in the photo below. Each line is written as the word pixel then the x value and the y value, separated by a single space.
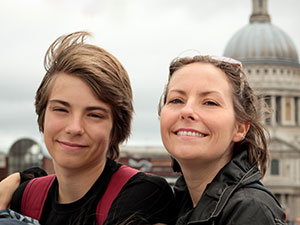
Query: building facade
pixel 150 159
pixel 271 63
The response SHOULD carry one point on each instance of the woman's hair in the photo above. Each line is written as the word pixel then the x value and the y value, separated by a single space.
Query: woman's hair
pixel 246 105
pixel 100 70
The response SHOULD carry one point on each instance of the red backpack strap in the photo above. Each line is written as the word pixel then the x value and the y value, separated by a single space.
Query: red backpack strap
pixel 117 181
pixel 34 196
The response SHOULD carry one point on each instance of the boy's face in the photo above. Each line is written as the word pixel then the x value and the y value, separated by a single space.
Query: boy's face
pixel 77 125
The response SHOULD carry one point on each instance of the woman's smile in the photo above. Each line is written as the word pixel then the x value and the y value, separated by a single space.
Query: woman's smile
pixel 189 133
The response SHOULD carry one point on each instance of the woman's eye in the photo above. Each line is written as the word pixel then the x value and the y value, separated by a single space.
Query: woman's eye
pixel 212 103
pixel 175 101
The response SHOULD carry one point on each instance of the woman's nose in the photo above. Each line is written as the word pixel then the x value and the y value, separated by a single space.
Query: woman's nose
pixel 189 112
pixel 75 126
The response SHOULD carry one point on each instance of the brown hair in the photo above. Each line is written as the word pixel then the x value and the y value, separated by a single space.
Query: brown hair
pixel 245 103
pixel 100 70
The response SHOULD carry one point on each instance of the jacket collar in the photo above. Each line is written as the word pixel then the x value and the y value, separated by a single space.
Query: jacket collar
pixel 237 173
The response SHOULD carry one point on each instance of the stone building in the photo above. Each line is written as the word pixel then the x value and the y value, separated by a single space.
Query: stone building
pixel 271 62
pixel 150 159
pixel 23 154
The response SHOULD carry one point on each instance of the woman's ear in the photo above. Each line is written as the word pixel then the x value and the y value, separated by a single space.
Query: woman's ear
pixel 241 131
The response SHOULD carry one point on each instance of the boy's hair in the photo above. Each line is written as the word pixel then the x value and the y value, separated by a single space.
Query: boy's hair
pixel 100 70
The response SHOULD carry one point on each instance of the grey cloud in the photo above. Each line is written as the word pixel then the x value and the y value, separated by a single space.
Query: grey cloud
pixel 144 35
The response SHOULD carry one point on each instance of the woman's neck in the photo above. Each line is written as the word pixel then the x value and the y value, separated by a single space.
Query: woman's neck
pixel 196 183
pixel 73 185
pixel 198 176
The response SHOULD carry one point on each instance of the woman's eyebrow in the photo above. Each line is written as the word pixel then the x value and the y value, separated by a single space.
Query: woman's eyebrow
pixel 202 93
pixel 205 93
pixel 177 91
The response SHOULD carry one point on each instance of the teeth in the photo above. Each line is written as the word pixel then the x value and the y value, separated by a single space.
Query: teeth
pixel 190 133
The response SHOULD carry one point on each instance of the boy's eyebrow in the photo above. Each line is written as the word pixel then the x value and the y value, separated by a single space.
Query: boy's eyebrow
pixel 89 108
pixel 60 102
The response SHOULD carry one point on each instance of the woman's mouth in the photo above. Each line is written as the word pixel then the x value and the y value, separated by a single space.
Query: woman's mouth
pixel 189 133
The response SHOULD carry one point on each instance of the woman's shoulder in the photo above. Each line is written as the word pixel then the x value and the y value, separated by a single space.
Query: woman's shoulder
pixel 255 192
pixel 254 201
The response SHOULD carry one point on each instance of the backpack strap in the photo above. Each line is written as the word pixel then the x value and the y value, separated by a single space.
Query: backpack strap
pixel 34 196
pixel 116 183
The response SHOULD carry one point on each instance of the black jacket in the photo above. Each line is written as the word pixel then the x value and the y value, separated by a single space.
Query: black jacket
pixel 234 197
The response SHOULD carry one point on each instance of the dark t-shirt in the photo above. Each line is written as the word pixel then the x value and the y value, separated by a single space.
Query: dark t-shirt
pixel 143 198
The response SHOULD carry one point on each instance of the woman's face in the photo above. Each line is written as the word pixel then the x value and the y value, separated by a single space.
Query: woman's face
pixel 77 124
pixel 198 122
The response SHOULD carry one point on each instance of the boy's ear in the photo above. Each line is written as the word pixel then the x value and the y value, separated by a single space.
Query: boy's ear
pixel 241 131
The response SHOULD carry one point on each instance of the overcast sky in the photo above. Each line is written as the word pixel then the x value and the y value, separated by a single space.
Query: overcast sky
pixel 145 35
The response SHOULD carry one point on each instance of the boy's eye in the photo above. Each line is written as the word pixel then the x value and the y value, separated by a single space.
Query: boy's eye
pixel 59 109
pixel 96 115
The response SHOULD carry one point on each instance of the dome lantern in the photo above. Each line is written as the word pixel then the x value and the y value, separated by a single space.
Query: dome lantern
pixel 260 12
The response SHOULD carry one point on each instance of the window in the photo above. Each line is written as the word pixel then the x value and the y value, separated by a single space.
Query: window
pixel 23 154
pixel 297 122
pixel 268 102
pixel 277 196
pixel 278 109
pixel 288 109
pixel 274 167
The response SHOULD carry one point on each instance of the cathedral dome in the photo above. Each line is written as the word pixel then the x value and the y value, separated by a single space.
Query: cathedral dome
pixel 262 42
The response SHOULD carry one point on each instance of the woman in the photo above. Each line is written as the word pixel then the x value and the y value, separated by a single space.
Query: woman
pixel 211 127
pixel 84 108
